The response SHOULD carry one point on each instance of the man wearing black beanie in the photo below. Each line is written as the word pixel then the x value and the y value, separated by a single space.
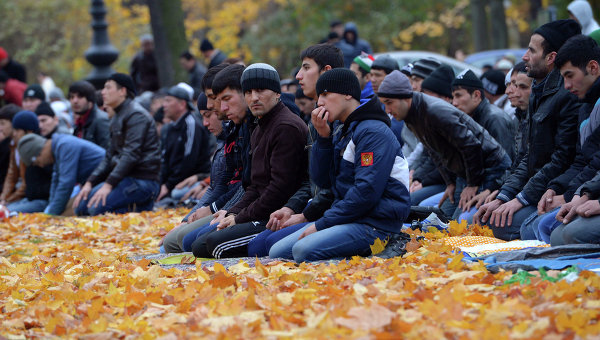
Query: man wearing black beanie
pixel 362 162
pixel 552 136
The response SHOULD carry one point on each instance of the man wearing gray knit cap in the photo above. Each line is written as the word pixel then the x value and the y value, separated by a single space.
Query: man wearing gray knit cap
pixel 278 166
pixel 468 158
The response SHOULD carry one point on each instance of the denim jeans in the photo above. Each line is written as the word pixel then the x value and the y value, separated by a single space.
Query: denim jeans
pixel 546 225
pixel 340 241
pixel 513 231
pixel 263 242
pixel 420 195
pixel 432 201
pixel 129 191
pixel 27 206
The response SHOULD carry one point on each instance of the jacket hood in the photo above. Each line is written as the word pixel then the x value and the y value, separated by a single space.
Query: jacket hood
pixel 351 27
pixel 582 10
pixel 369 110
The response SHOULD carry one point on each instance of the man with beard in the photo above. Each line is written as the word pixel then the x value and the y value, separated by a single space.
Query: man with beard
pixel 91 123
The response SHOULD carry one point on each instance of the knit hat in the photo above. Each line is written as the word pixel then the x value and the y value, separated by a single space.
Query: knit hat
pixel 468 79
pixel 557 32
pixel 30 147
pixel 202 102
pixel 339 80
pixel 407 69
pixel 440 81
pixel 123 80
pixel 3 54
pixel 395 85
pixel 260 76
pixel 423 67
pixel 385 63
pixel 34 91
pixel 364 61
pixel 493 82
pixel 26 120
pixel 206 45
pixel 44 109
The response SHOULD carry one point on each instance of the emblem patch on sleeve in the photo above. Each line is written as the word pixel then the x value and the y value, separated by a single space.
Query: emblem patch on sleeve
pixel 366 159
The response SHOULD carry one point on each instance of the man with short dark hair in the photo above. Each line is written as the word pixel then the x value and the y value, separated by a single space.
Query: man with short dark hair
pixel 91 123
pixel 129 174
pixel 305 104
pixel 194 69
pixel 6 145
pixel 188 145
pixel 143 69
pixel 551 140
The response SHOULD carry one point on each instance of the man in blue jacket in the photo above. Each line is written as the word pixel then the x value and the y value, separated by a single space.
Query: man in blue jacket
pixel 361 160
pixel 74 160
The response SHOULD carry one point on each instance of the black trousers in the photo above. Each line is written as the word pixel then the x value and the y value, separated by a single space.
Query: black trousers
pixel 229 242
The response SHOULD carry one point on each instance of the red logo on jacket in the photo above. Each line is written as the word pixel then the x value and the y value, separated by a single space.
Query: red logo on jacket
pixel 366 159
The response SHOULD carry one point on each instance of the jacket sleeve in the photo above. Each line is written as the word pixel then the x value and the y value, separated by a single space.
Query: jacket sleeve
pixel 460 136
pixel 560 184
pixel 319 204
pixel 586 174
pixel 428 173
pixel 299 200
pixel 563 154
pixel 369 181
pixel 515 181
pixel 287 152
pixel 322 162
pixel 64 178
pixel 132 148
pixel 591 187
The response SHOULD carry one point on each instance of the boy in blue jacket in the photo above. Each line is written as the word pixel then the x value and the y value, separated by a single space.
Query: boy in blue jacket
pixel 361 161
pixel 74 161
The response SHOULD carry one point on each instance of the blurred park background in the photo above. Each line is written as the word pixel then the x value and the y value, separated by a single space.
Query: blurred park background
pixel 52 36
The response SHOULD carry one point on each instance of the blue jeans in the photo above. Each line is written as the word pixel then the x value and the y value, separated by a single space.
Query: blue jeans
pixel 420 195
pixel 27 206
pixel 432 201
pixel 190 237
pixel 339 241
pixel 262 243
pixel 467 216
pixel 177 194
pixel 129 191
pixel 546 225
pixel 514 231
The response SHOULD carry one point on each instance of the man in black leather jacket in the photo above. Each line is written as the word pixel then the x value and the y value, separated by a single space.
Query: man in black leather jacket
pixel 129 174
pixel 551 136
pixel 468 158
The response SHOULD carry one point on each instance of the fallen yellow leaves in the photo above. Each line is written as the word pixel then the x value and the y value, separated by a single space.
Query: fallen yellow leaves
pixel 72 277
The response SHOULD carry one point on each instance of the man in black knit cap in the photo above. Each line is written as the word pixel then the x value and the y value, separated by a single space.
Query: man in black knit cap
pixel 551 136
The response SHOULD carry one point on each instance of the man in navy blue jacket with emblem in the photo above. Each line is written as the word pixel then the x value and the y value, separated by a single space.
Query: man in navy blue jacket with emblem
pixel 361 160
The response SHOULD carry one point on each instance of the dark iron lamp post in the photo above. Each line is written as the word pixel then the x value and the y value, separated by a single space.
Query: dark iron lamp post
pixel 101 54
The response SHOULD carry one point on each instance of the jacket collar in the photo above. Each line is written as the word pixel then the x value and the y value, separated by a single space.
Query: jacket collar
pixel 370 110
pixel 123 105
pixel 267 117
pixel 593 93
pixel 552 83
pixel 480 109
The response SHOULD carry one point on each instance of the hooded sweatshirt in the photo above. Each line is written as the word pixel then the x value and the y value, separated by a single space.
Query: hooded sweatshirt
pixel 582 10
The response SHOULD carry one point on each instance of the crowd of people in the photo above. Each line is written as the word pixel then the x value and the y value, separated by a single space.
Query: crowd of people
pixel 321 166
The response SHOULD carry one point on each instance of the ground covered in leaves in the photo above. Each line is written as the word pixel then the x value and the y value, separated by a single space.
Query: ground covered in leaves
pixel 73 277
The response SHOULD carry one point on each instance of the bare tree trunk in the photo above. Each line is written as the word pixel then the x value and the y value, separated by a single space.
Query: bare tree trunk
pixel 499 29
pixel 480 29
pixel 166 19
